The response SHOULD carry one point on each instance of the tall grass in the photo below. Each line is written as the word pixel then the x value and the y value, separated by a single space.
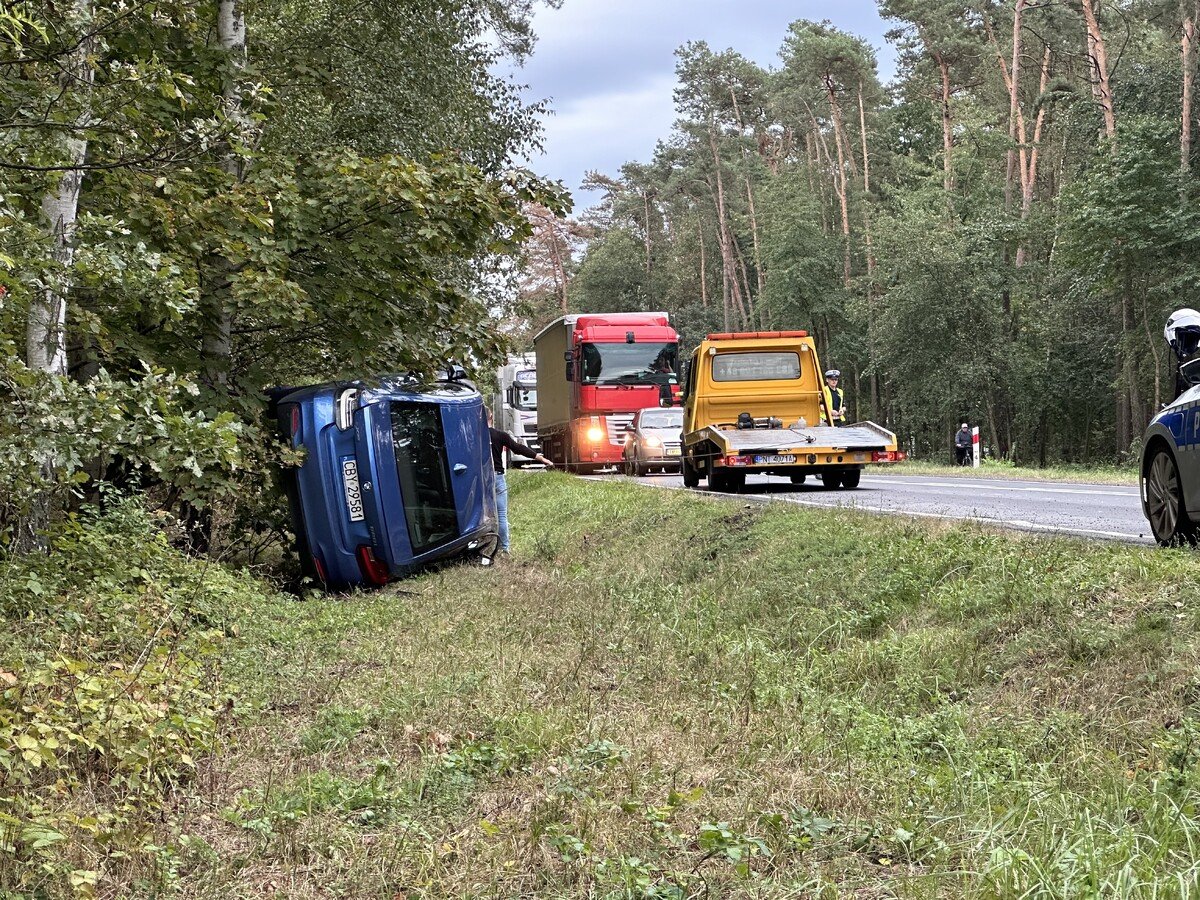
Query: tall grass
pixel 667 695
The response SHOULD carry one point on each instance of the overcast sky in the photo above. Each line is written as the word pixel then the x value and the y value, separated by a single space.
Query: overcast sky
pixel 608 68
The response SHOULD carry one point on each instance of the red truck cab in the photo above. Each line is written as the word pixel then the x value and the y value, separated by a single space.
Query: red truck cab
pixel 594 371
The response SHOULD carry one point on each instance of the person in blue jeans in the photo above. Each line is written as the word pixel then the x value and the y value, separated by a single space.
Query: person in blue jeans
pixel 501 441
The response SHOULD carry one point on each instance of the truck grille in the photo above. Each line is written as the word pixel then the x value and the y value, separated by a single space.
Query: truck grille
pixel 617 423
pixel 531 427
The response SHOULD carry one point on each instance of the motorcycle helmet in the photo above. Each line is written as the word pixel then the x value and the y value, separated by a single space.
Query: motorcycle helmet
pixel 1183 332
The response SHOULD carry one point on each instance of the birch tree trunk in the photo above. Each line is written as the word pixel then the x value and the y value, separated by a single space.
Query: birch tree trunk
pixel 216 312
pixel 46 329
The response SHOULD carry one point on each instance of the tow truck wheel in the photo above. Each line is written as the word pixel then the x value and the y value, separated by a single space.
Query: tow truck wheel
pixel 851 478
pixel 831 480
pixel 798 479
pixel 1169 520
pixel 691 478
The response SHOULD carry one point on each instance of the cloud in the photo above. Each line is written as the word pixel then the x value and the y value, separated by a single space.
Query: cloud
pixel 608 67
pixel 604 129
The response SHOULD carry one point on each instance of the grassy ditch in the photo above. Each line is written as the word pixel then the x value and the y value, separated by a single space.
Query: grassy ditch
pixel 662 694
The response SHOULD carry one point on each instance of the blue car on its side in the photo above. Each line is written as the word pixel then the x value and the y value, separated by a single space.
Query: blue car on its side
pixel 397 474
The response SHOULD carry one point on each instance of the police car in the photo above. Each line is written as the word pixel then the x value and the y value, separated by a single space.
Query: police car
pixel 1170 470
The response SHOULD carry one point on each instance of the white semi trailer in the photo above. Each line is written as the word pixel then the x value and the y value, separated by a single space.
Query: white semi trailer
pixel 514 408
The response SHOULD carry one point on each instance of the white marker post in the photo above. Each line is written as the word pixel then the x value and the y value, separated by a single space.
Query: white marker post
pixel 976 447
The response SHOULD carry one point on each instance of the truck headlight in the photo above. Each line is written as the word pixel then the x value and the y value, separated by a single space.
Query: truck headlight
pixel 595 434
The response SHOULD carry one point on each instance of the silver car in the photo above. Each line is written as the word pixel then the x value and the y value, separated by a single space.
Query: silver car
pixel 653 440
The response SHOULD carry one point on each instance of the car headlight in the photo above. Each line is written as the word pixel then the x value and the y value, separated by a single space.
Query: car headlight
pixel 653 442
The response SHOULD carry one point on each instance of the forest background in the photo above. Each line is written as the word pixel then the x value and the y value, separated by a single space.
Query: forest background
pixel 996 236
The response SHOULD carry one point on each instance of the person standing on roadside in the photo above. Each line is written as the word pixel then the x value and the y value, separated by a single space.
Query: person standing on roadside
pixel 835 399
pixel 962 445
pixel 501 441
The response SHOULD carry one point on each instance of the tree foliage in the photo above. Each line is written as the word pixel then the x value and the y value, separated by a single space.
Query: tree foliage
pixel 245 194
pixel 997 235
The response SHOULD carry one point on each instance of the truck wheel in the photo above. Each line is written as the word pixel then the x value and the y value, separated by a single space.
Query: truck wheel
pixel 831 480
pixel 691 478
pixel 726 482
pixel 851 478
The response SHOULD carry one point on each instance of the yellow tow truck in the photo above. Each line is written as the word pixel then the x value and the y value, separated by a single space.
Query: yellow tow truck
pixel 754 403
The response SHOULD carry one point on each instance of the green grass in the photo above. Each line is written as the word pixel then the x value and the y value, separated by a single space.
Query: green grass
pixel 666 694
pixel 1001 469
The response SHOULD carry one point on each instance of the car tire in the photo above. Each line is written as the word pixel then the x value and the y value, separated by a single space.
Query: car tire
pixel 1169 521
pixel 628 467
pixel 851 478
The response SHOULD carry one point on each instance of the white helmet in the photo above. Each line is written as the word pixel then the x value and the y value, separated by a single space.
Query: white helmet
pixel 1183 332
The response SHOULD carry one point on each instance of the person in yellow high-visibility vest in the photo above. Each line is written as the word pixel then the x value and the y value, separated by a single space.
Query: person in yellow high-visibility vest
pixel 835 399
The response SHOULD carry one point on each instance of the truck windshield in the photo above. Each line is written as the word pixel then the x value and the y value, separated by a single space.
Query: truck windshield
pixel 629 363
pixel 759 365
pixel 424 474
pixel 526 399
pixel 525 390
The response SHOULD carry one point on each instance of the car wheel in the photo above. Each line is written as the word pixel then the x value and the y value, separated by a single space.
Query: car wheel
pixel 851 478
pixel 1169 520
pixel 628 467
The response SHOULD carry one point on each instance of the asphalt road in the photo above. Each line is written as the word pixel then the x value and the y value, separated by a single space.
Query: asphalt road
pixel 1098 511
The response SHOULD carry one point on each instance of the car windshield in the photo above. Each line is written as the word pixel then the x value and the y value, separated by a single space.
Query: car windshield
pixel 663 418
pixel 424 474
pixel 629 363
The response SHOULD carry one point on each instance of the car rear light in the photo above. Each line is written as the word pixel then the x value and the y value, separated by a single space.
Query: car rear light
pixel 374 569
pixel 320 567
pixel 294 432
pixel 889 456
pixel 738 460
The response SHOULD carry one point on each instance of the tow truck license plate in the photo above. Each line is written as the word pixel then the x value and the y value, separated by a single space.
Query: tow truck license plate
pixel 672 451
pixel 774 459
pixel 353 493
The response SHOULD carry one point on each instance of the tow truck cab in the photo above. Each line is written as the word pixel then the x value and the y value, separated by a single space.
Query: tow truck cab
pixel 754 403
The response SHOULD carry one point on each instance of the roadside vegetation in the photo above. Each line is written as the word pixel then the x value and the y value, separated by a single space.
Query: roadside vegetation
pixel 990 468
pixel 660 695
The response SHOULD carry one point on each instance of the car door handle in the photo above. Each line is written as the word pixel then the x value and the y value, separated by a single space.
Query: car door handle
pixel 459 468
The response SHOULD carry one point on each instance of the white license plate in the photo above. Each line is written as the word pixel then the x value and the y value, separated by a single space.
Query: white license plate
pixel 672 451
pixel 775 459
pixel 353 493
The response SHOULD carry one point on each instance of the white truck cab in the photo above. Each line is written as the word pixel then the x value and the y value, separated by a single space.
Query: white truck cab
pixel 514 408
